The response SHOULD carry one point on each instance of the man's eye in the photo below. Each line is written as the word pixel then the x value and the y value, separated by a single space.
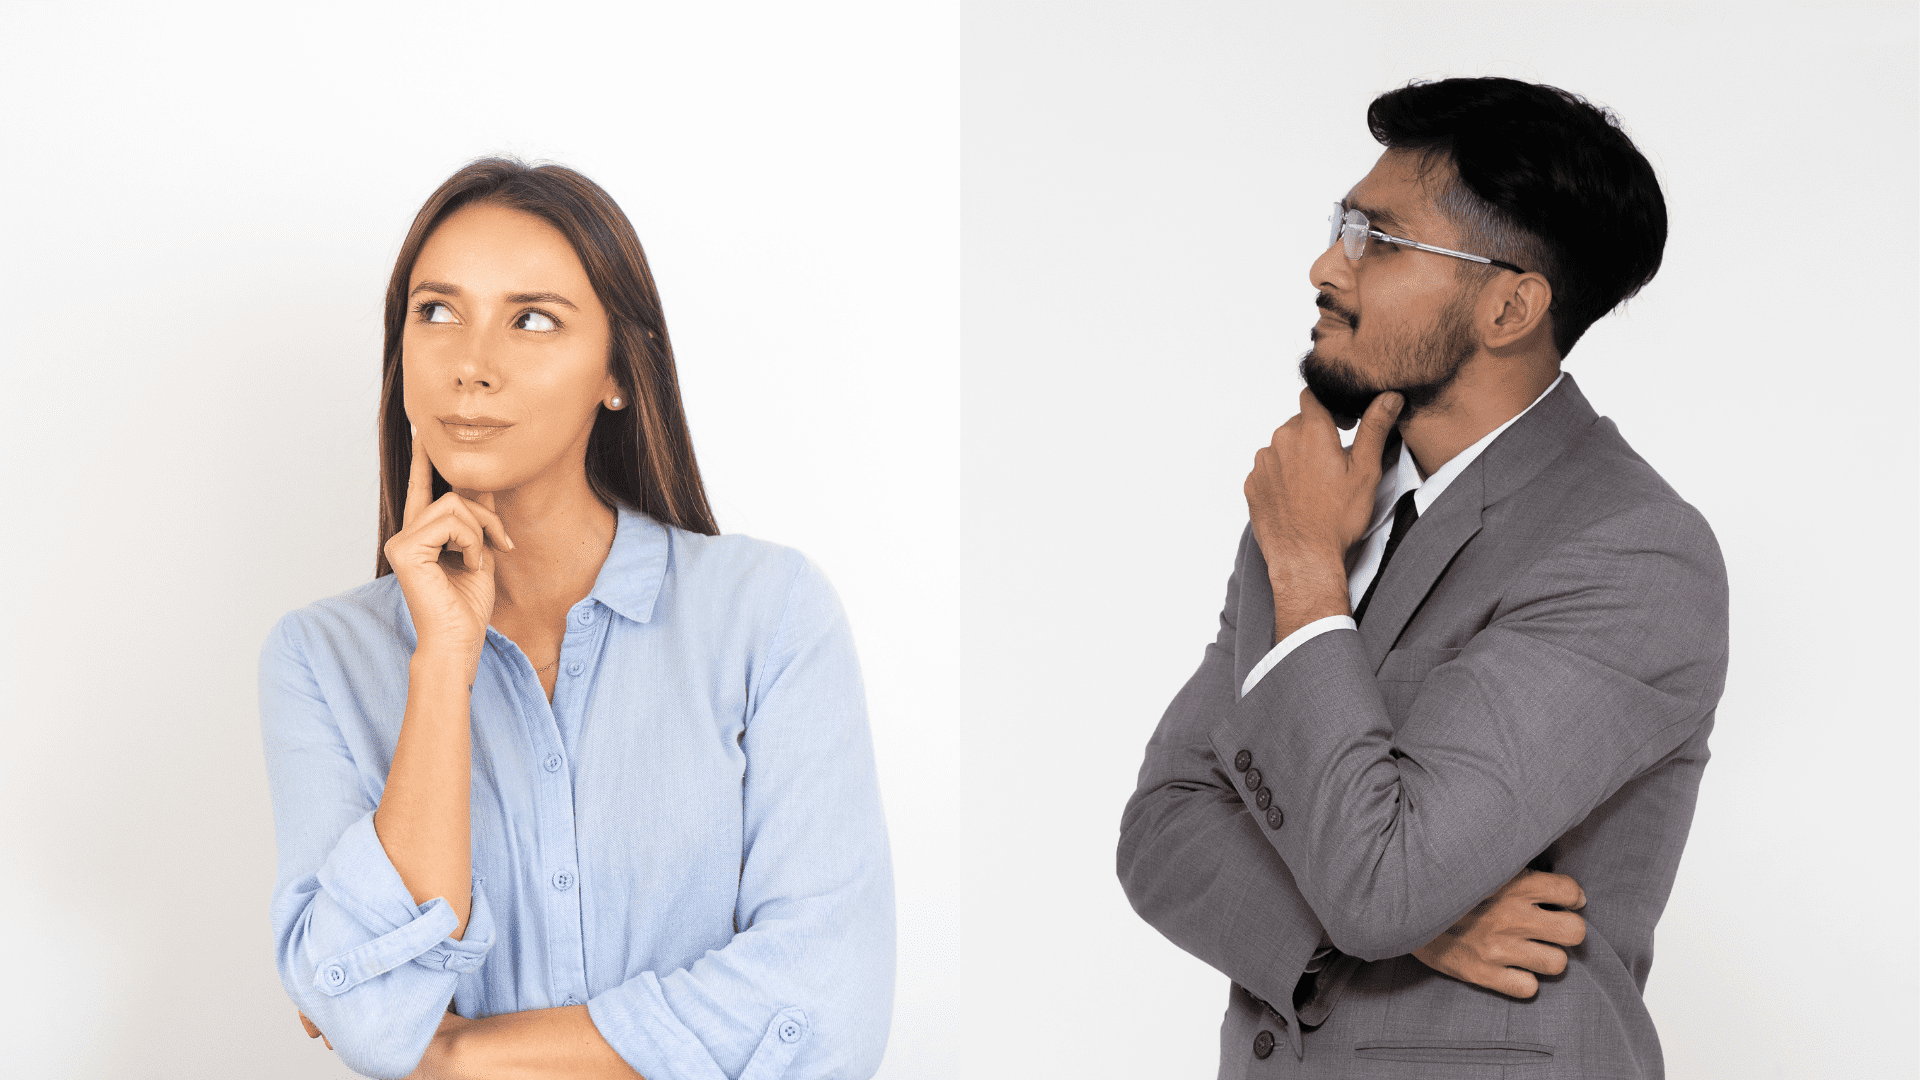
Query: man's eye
pixel 535 320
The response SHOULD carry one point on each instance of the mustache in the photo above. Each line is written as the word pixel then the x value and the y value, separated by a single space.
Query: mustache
pixel 1325 302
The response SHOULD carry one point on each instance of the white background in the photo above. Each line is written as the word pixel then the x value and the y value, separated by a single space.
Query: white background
pixel 1145 186
pixel 201 208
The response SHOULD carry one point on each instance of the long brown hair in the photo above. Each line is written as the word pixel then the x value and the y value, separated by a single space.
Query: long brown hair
pixel 642 455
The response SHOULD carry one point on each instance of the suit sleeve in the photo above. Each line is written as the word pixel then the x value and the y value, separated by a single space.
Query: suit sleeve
pixel 1602 658
pixel 371 969
pixel 1192 857
pixel 805 988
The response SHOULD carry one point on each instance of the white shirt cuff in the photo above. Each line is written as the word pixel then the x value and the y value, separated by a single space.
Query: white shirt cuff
pixel 1291 642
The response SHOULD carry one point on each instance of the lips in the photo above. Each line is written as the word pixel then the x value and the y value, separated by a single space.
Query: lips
pixel 471 429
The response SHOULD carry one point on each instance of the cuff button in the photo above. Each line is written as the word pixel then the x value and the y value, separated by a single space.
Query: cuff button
pixel 789 1032
pixel 336 975
pixel 1262 797
pixel 1275 818
pixel 1243 760
pixel 1253 779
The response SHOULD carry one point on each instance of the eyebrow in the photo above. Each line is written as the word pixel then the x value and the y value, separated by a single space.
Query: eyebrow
pixel 1379 219
pixel 441 288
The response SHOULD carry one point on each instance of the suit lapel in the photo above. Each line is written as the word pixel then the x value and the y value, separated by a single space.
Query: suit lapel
pixel 1507 464
pixel 1424 554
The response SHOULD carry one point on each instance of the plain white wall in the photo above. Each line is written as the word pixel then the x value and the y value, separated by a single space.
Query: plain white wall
pixel 201 205
pixel 1145 186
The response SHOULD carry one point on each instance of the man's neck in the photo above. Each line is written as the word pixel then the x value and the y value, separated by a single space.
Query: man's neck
pixel 1485 395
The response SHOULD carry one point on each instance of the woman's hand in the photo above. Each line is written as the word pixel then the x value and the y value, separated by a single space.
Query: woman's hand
pixel 449 592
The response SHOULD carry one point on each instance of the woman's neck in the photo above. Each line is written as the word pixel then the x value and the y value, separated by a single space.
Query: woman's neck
pixel 561 536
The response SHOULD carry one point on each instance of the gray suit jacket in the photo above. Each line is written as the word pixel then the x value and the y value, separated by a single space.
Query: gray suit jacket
pixel 1533 685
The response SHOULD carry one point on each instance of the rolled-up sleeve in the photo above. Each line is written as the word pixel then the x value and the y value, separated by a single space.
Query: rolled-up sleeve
pixel 371 969
pixel 805 987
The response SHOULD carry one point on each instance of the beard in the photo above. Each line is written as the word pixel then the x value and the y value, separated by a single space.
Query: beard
pixel 1420 370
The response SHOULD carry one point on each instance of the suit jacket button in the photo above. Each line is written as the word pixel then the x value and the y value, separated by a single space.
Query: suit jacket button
pixel 1253 779
pixel 1275 818
pixel 1243 760
pixel 1262 797
pixel 1263 1045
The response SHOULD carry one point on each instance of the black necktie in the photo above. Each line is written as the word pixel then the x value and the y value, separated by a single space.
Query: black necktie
pixel 1404 516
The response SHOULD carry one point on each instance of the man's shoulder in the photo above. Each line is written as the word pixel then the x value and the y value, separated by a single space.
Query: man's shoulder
pixel 1601 486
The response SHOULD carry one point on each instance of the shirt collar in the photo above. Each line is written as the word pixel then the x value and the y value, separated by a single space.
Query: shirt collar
pixel 636 565
pixel 1406 475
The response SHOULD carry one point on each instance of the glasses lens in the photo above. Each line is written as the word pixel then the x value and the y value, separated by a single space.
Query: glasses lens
pixel 1336 220
pixel 1355 228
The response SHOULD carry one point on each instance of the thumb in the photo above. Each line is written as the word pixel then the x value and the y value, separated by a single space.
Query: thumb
pixel 1371 439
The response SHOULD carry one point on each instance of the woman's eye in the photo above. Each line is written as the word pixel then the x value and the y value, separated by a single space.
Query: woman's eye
pixel 434 311
pixel 535 320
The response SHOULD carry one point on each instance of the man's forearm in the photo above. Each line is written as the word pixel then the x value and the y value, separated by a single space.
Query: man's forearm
pixel 1306 588
pixel 533 1045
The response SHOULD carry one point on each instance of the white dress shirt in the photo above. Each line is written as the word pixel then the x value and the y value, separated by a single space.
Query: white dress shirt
pixel 1363 558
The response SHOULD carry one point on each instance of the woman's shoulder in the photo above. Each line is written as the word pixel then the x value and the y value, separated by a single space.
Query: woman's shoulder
pixel 755 573
pixel 369 614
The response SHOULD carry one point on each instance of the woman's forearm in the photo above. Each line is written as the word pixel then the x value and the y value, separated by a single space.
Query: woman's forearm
pixel 422 820
pixel 533 1045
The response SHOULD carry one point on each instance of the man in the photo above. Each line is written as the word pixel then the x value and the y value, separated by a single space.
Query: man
pixel 1466 669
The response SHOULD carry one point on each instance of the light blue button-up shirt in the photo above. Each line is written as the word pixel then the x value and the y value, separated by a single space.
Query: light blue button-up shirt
pixel 688 839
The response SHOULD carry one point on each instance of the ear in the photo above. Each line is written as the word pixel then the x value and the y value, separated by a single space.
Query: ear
pixel 1514 308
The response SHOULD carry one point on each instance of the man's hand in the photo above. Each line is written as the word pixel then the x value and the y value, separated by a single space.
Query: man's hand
pixel 1508 937
pixel 313 1032
pixel 1309 499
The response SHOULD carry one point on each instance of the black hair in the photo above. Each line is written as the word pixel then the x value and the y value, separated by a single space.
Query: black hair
pixel 1542 178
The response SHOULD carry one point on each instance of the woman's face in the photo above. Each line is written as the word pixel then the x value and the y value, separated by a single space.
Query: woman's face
pixel 504 355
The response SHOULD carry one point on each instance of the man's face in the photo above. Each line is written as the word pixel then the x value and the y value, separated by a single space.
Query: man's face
pixel 1398 318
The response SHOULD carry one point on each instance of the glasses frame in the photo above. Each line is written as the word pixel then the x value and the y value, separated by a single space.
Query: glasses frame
pixel 1352 227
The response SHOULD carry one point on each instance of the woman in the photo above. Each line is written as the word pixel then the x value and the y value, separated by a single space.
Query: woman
pixel 596 774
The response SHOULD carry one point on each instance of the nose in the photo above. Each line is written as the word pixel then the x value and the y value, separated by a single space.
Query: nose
pixel 476 367
pixel 1332 270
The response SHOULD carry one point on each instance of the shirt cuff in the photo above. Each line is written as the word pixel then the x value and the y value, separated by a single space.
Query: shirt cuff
pixel 360 878
pixel 637 1022
pixel 1291 642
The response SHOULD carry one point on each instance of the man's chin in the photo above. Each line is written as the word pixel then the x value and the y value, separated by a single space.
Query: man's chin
pixel 1345 399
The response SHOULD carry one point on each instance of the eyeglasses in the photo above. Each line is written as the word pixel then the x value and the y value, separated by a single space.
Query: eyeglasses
pixel 1353 227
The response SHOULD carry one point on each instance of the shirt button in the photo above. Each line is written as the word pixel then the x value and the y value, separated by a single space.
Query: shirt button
pixel 1275 818
pixel 585 617
pixel 569 1001
pixel 1253 779
pixel 336 975
pixel 553 763
pixel 563 881
pixel 576 667
pixel 1243 761
pixel 1263 1045
pixel 789 1031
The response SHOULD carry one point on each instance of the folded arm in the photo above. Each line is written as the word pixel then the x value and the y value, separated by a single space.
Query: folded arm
pixel 1192 859
pixel 805 987
pixel 366 963
pixel 1604 656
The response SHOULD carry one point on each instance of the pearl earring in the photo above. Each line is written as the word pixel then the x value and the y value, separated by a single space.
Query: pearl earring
pixel 614 403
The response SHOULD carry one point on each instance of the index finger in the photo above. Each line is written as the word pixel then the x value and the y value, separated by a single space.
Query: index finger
pixel 1315 415
pixel 419 484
